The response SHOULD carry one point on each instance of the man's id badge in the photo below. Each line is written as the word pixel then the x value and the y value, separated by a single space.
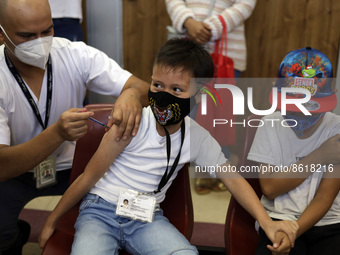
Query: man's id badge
pixel 131 204
pixel 45 172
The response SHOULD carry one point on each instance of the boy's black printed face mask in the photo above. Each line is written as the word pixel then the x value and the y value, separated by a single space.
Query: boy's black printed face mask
pixel 169 109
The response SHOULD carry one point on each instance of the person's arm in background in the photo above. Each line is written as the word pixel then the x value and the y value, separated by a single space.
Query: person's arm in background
pixel 183 20
pixel 179 13
pixel 233 16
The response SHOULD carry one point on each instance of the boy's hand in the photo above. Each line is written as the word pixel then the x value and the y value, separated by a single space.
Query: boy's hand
pixel 46 232
pixel 283 242
pixel 290 228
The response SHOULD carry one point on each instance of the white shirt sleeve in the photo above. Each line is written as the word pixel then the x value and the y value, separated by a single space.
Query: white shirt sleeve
pixel 178 13
pixel 205 150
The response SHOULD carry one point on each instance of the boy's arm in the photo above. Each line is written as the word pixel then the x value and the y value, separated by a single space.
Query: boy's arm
pixel 321 203
pixel 323 200
pixel 127 110
pixel 274 184
pixel 106 153
pixel 246 196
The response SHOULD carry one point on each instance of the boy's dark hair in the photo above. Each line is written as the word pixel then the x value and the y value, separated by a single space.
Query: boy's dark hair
pixel 185 54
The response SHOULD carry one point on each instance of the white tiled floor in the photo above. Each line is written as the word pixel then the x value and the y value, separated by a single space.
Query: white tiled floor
pixel 211 207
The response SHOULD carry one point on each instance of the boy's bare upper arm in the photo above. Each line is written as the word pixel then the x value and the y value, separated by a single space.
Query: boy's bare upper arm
pixel 321 203
pixel 329 187
pixel 276 184
pixel 105 155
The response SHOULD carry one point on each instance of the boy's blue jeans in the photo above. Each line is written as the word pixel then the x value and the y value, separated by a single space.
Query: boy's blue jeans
pixel 100 231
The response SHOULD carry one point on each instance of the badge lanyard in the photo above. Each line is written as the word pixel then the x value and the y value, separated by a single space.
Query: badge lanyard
pixel 167 176
pixel 26 92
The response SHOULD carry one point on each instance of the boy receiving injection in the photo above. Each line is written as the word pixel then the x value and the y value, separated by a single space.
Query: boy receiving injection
pixel 145 166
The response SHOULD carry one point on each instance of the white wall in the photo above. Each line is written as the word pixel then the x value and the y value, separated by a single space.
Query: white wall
pixel 105 32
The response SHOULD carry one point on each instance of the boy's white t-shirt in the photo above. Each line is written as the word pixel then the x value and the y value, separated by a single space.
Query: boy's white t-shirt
pixel 76 67
pixel 143 162
pixel 279 146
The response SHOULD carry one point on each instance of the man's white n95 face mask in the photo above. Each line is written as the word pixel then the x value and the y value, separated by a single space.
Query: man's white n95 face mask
pixel 34 52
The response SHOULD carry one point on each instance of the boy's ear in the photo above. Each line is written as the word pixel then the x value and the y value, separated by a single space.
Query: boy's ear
pixel 198 96
pixel 201 91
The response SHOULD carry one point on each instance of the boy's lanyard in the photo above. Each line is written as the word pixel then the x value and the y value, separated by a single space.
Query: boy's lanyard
pixel 26 92
pixel 167 176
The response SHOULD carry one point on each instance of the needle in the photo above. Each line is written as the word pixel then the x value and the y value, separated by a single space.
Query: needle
pixel 97 121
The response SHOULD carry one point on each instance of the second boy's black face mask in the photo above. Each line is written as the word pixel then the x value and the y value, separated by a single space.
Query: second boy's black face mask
pixel 169 109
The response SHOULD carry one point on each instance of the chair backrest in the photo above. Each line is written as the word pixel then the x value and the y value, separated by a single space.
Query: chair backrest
pixel 240 234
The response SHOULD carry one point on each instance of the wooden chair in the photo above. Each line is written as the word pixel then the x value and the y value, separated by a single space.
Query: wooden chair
pixel 177 205
pixel 240 234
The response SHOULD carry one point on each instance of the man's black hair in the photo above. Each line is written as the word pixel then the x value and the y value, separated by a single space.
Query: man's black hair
pixel 186 55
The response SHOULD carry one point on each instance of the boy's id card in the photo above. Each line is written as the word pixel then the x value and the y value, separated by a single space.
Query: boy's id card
pixel 45 173
pixel 131 204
